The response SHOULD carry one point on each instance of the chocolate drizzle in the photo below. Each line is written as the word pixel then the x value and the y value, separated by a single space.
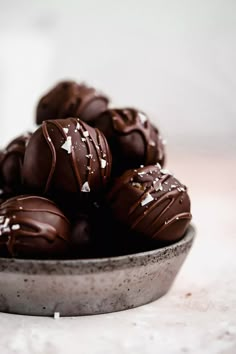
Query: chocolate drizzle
pixel 11 162
pixel 133 139
pixel 75 149
pixel 27 220
pixel 151 201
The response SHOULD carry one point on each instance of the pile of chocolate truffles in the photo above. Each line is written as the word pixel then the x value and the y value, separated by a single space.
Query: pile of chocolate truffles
pixel 89 182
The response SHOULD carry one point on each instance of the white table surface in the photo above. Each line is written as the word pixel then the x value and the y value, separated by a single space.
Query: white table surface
pixel 198 315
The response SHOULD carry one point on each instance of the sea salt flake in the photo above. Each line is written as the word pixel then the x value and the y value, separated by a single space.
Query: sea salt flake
pixel 147 199
pixel 86 133
pixel 56 315
pixel 103 163
pixel 138 185
pixel 141 174
pixel 89 156
pixel 158 186
pixel 78 126
pixel 152 143
pixel 83 139
pixel 66 130
pixel 49 139
pixel 165 172
pixel 85 187
pixel 67 145
pixel 142 117
pixel 15 227
pixel 88 168
pixel 5 223
pixel 158 165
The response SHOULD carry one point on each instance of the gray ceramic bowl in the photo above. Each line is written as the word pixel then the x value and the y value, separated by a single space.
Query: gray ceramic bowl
pixel 92 286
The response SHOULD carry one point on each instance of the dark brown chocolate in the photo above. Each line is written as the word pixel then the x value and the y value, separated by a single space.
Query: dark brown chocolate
pixel 152 202
pixel 133 140
pixel 11 161
pixel 66 158
pixel 69 99
pixel 33 227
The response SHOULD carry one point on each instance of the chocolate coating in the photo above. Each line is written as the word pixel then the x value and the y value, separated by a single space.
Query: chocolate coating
pixel 33 227
pixel 133 140
pixel 69 99
pixel 66 158
pixel 11 162
pixel 152 202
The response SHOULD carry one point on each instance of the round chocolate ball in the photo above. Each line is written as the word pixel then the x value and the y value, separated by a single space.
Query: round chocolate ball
pixel 152 202
pixel 69 99
pixel 133 140
pixel 33 227
pixel 67 159
pixel 11 161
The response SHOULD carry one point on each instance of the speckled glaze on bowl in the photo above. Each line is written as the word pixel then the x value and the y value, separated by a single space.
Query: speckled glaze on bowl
pixel 92 286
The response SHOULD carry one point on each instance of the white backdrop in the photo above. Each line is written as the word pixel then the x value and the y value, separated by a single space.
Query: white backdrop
pixel 173 59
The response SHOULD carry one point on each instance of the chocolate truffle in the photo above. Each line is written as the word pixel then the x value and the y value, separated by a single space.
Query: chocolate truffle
pixel 69 99
pixel 152 202
pixel 133 140
pixel 33 227
pixel 11 161
pixel 66 158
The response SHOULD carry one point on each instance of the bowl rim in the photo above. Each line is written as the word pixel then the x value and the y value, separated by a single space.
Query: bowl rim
pixel 90 265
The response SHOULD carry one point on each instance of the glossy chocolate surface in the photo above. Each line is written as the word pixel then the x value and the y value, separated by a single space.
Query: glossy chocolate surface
pixel 69 99
pixel 66 157
pixel 152 202
pixel 33 227
pixel 133 140
pixel 11 162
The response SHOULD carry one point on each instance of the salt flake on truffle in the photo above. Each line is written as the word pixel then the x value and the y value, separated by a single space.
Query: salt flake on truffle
pixel 66 130
pixel 85 187
pixel 157 185
pixel 15 227
pixel 165 172
pixel 67 145
pixel 103 163
pixel 147 199
pixel 85 133
pixel 142 117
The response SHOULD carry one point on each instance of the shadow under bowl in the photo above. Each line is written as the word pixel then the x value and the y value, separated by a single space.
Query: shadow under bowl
pixel 90 286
